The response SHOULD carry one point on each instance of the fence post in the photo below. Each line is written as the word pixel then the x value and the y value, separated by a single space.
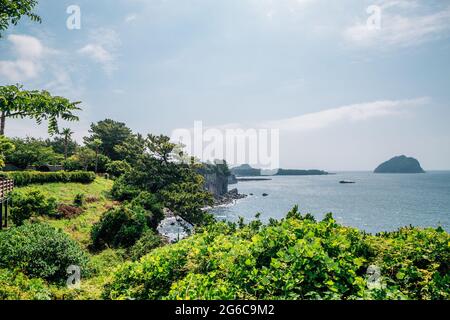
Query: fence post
pixel 6 213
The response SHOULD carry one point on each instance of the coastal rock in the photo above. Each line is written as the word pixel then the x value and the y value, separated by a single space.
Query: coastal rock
pixel 400 164
pixel 228 198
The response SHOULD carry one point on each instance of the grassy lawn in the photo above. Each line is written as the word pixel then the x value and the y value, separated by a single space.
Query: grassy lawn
pixel 79 227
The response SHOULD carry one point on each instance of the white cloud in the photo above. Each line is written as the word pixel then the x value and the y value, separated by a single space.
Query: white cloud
pixel 29 52
pixel 102 49
pixel 130 18
pixel 350 113
pixel 401 27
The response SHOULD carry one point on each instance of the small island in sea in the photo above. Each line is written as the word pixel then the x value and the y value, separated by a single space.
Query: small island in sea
pixel 246 170
pixel 400 164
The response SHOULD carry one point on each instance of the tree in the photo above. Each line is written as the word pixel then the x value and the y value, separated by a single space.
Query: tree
pixel 38 105
pixel 6 145
pixel 96 145
pixel 60 145
pixel 178 185
pixel 67 136
pixel 86 157
pixel 111 133
pixel 11 11
pixel 31 152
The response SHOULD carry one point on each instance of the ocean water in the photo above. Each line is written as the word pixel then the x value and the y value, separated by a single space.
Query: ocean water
pixel 375 203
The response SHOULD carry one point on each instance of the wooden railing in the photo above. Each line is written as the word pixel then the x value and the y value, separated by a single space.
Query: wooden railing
pixel 6 186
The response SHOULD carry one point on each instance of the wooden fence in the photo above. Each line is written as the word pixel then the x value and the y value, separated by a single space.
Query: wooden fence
pixel 6 186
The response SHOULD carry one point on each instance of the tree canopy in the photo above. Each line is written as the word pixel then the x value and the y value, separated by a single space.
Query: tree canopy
pixel 111 134
pixel 38 105
pixel 11 11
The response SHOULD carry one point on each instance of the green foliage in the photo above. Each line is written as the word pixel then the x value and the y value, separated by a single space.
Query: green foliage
pixel 110 134
pixel 415 261
pixel 31 203
pixel 11 11
pixel 63 144
pixel 119 228
pixel 118 168
pixel 177 184
pixel 40 251
pixel 31 152
pixel 150 203
pixel 187 199
pixel 122 190
pixel 146 244
pixel 15 285
pixel 79 200
pixel 6 146
pixel 38 105
pixel 23 178
pixel 296 258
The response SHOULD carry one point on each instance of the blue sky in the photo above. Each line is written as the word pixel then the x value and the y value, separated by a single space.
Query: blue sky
pixel 344 96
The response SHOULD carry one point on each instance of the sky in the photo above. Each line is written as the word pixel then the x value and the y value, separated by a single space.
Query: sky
pixel 349 84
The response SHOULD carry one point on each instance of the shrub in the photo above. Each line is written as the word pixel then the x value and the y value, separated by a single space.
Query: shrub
pixel 40 251
pixel 152 206
pixel 16 286
pixel 121 191
pixel 79 200
pixel 119 227
pixel 296 258
pixel 146 244
pixel 27 204
pixel 23 178
pixel 117 168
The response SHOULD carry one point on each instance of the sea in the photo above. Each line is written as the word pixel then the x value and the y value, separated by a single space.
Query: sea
pixel 374 203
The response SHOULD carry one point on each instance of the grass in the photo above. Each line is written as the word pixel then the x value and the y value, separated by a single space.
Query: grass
pixel 79 228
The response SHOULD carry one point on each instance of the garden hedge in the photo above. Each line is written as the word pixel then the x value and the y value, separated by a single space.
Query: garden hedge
pixel 23 178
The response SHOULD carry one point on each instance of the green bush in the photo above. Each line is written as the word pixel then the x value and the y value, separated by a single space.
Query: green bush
pixel 17 286
pixel 121 191
pixel 23 178
pixel 79 200
pixel 146 244
pixel 117 168
pixel 27 204
pixel 296 258
pixel 119 227
pixel 154 209
pixel 40 251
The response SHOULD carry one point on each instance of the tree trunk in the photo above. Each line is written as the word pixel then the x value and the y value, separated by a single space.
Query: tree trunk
pixel 96 160
pixel 2 123
pixel 66 142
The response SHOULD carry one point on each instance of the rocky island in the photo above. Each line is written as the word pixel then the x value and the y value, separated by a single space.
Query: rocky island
pixel 246 170
pixel 400 164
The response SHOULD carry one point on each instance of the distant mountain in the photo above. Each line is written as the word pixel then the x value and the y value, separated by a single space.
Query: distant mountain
pixel 400 164
pixel 246 170
pixel 287 172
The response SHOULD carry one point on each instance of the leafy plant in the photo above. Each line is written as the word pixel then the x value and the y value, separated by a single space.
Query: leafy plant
pixel 119 227
pixel 27 204
pixel 79 200
pixel 40 251
pixel 146 244
pixel 296 258
pixel 23 178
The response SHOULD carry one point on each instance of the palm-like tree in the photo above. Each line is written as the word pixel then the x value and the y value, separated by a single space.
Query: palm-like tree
pixel 96 144
pixel 66 133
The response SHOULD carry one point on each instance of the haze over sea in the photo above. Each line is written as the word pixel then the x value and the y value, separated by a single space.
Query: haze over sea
pixel 375 203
